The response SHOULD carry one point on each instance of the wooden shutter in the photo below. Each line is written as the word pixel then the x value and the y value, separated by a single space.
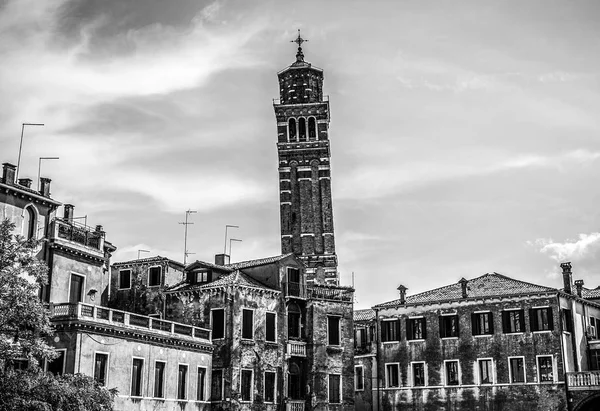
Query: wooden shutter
pixel 533 322
pixel 550 319
pixel 491 321
pixel 505 322
pixel 424 328
pixel 475 325
pixel 442 327
pixel 409 329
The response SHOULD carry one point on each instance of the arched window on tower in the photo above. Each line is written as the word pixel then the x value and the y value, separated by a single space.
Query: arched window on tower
pixel 302 128
pixel 29 223
pixel 292 130
pixel 312 129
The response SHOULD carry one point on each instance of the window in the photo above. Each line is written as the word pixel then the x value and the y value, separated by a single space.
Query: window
pixel 359 378
pixel 203 276
pixel 541 319
pixel 246 387
pixel 390 330
pixel 294 322
pixel 270 377
pixel 312 129
pixel 247 324
pixel 593 329
pixel 154 276
pixel 20 364
pixel 360 338
pixel 418 374
pixel 448 326
pixel 595 360
pixel 218 323
pixel 57 365
pixel 216 392
pixel 201 384
pixel 513 321
pixel 485 371
pixel 182 382
pixel 293 284
pixel 545 368
pixel 516 369
pixel 270 327
pixel 292 129
pixel 416 329
pixel 124 279
pixel 100 368
pixel 159 379
pixel 333 330
pixel 334 389
pixel 302 128
pixel 567 320
pixel 136 377
pixel 392 375
pixel 482 324
pixel 29 223
pixel 452 377
pixel 76 289
pixel 295 386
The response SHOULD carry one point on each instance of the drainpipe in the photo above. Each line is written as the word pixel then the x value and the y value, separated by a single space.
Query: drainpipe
pixel 377 359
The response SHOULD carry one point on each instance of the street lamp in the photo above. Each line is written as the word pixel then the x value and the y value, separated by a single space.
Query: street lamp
pixel 40 167
pixel 21 145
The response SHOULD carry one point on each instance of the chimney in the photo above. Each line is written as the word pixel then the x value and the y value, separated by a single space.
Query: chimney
pixel 402 290
pixel 68 214
pixel 99 229
pixel 221 259
pixel 567 277
pixel 8 173
pixel 25 182
pixel 45 186
pixel 579 287
pixel 463 285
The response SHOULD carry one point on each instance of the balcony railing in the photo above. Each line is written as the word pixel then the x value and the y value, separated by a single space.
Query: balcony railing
pixel 331 293
pixel 294 405
pixel 104 315
pixel 77 233
pixel 585 380
pixel 292 289
pixel 296 348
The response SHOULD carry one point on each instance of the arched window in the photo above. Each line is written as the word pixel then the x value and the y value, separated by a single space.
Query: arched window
pixel 312 129
pixel 29 223
pixel 294 382
pixel 302 128
pixel 292 130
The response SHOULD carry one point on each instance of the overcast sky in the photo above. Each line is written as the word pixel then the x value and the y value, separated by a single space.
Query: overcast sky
pixel 465 135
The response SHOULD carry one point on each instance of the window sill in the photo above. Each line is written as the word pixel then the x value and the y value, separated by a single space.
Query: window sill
pixel 515 333
pixel 483 335
pixel 415 341
pixel 541 331
pixel 390 342
pixel 448 338
pixel 334 349
pixel 247 342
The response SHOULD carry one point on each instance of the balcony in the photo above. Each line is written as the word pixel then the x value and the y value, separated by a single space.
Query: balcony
pixel 296 348
pixel 297 290
pixel 77 236
pixel 294 405
pixel 585 380
pixel 320 292
pixel 123 319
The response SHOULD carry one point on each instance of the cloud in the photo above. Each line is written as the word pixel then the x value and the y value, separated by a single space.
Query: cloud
pixel 577 249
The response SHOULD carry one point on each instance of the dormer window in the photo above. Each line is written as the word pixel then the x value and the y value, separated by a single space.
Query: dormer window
pixel 200 277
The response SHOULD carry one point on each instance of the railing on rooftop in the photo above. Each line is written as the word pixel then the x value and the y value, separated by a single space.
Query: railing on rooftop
pixel 330 293
pixel 584 380
pixel 104 315
pixel 296 348
pixel 78 233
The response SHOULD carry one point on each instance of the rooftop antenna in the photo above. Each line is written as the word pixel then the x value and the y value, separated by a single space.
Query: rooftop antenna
pixel 225 246
pixel 230 240
pixel 186 223
pixel 21 145
pixel 40 167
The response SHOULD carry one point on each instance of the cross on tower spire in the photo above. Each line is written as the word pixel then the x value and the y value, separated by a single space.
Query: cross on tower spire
pixel 299 40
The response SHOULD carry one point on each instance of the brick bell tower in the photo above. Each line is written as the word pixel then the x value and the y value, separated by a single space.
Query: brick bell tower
pixel 302 114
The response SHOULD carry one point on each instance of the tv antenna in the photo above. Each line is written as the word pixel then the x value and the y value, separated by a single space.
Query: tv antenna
pixel 185 224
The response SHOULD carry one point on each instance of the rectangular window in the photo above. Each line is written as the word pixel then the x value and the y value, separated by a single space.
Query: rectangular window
pixel 418 374
pixel 201 384
pixel 270 327
pixel 390 330
pixel 513 321
pixel 392 375
pixel 159 379
pixel 360 338
pixel 154 276
pixel 416 329
pixel 100 368
pixel 182 382
pixel 216 392
pixel 452 377
pixel 247 324
pixel 270 377
pixel 333 330
pixel 516 369
pixel 218 323
pixel 334 389
pixel 567 319
pixel 57 365
pixel 293 285
pixel 359 378
pixel 448 326
pixel 545 368
pixel 482 323
pixel 136 377
pixel 541 319
pixel 124 279
pixel 246 388
pixel 76 290
pixel 485 371
pixel 595 360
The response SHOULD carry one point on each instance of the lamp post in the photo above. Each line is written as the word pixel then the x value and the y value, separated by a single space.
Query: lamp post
pixel 40 167
pixel 21 146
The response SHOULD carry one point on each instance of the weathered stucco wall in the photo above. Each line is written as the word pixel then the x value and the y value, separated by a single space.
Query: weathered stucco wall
pixel 63 265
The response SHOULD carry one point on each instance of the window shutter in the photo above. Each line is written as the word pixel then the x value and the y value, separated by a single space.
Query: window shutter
pixel 474 324
pixel 442 328
pixel 424 328
pixel 506 322
pixel 491 321
pixel 397 330
pixel 522 320
pixel 457 325
pixel 409 331
pixel 533 320
pixel 550 319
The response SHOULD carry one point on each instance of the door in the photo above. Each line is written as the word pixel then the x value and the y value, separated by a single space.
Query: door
pixel 76 290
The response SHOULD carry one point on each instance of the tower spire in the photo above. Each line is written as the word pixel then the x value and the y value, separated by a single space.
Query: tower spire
pixel 299 40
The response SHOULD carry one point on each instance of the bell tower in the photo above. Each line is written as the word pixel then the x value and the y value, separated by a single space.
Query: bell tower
pixel 302 114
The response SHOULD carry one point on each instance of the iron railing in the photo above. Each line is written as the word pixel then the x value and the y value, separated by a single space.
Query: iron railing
pixel 78 233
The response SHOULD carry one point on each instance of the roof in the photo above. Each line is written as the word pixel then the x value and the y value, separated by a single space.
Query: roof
pixel 148 260
pixel 259 262
pixel 588 294
pixel 235 278
pixel 487 285
pixel 204 264
pixel 364 315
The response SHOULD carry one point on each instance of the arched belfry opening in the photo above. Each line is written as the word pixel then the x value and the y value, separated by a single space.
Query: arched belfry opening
pixel 292 129
pixel 312 129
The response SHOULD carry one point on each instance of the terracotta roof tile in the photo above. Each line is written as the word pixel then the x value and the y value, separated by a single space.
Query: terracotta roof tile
pixel 258 262
pixel 158 258
pixel 235 278
pixel 364 315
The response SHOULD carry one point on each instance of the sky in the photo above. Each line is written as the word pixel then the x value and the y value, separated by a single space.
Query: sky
pixel 465 135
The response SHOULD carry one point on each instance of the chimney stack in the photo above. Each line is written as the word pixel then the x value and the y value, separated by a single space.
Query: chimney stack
pixel 99 229
pixel 463 284
pixel 25 182
pixel 579 287
pixel 402 290
pixel 68 214
pixel 8 173
pixel 567 277
pixel 45 186
pixel 221 259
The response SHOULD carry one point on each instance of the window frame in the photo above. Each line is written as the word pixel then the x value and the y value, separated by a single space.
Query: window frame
pixel 539 370
pixel 222 385
pixel 274 387
pixel 443 326
pixel 412 373
pixel 251 386
pixel 83 284
pixel 510 372
pixel 339 330
pixel 212 325
pixel 566 316
pixel 46 362
pixel 339 399
pixel 274 313
pixel 509 322
pixel 30 230
pixel 106 368
pixel 389 365
pixel 160 276
pixel 458 373
pixel 187 381
pixel 163 379
pixel 362 379
pixel 534 322
pixel 251 338
pixel 492 371
pixel 141 382
pixel 397 331
pixel 412 329
pixel 130 278
pixel 475 324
